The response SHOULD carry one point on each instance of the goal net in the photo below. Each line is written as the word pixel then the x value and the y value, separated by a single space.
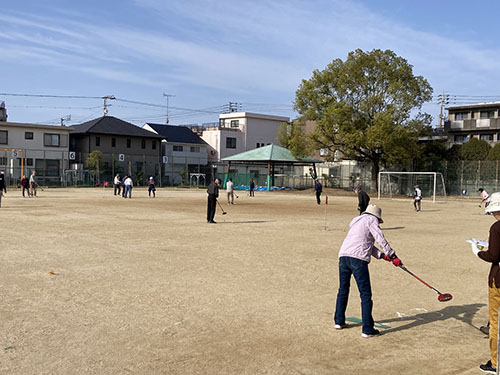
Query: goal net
pixel 402 184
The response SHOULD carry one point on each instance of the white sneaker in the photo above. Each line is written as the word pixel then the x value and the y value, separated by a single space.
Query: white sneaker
pixel 373 334
pixel 340 326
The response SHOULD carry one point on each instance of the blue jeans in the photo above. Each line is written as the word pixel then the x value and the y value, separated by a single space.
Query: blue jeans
pixel 351 266
pixel 128 191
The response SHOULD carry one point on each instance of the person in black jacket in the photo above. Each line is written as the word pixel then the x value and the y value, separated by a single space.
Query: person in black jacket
pixel 213 194
pixel 3 187
pixel 319 189
pixel 363 199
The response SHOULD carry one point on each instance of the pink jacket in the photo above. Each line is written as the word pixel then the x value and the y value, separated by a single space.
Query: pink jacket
pixel 364 231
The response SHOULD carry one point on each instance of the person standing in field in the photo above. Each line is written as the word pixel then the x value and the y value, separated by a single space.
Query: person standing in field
pixel 129 184
pixel 3 186
pixel 33 184
pixel 252 187
pixel 417 199
pixel 123 185
pixel 363 199
pixel 230 191
pixel 25 185
pixel 492 255
pixel 213 194
pixel 116 185
pixel 485 197
pixel 354 256
pixel 151 187
pixel 318 188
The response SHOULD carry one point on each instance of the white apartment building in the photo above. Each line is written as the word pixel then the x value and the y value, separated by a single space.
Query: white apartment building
pixel 45 149
pixel 241 131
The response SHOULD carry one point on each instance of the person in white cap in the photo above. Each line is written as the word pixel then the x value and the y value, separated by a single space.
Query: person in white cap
pixel 417 198
pixel 151 187
pixel 354 257
pixel 492 255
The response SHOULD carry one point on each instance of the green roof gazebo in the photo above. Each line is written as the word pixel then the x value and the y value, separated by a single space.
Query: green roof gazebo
pixel 268 155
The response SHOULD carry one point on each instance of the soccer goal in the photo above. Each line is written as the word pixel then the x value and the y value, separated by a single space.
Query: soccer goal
pixel 401 184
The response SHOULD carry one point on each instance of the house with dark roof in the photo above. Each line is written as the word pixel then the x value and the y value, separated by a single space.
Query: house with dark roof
pixel 183 151
pixel 126 148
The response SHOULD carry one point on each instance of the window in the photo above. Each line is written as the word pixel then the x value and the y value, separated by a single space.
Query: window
pixel 178 148
pixel 230 142
pixel 143 143
pixel 153 145
pixel 486 137
pixel 235 123
pixel 129 142
pixel 113 142
pixel 48 167
pixel 98 141
pixel 3 160
pixel 29 162
pixel 461 116
pixel 460 138
pixel 257 145
pixel 4 137
pixel 487 114
pixel 138 166
pixel 472 115
pixel 195 149
pixel 28 135
pixel 51 140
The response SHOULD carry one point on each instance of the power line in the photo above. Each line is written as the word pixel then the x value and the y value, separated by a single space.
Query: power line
pixel 52 96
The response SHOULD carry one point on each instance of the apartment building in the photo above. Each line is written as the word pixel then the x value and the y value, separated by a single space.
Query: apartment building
pixel 480 121
pixel 240 131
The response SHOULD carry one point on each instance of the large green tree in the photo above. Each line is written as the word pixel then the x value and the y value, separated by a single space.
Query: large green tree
pixel 367 107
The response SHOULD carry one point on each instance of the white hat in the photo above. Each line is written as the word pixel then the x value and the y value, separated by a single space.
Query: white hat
pixel 494 205
pixel 376 211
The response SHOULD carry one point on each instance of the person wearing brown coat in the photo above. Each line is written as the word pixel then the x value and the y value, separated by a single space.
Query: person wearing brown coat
pixel 492 255
pixel 25 185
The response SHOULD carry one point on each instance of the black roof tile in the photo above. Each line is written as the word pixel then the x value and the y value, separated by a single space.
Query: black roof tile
pixel 112 126
pixel 178 134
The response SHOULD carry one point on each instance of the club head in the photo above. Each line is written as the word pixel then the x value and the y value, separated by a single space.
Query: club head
pixel 224 213
pixel 444 297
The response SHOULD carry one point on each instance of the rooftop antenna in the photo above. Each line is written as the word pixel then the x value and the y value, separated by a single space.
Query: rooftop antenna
pixel 106 105
pixel 167 96
pixel 65 118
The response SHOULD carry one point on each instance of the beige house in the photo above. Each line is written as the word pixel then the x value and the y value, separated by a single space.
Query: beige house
pixel 25 148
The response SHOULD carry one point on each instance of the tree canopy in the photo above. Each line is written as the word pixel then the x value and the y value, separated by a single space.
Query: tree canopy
pixel 494 153
pixel 475 149
pixel 367 107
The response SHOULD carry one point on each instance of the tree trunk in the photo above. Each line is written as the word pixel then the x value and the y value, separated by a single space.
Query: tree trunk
pixel 375 170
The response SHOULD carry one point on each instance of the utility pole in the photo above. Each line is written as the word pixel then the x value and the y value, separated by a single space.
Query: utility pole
pixel 167 96
pixel 106 105
pixel 443 99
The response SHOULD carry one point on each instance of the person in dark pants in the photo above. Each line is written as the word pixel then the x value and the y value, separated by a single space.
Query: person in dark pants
pixel 25 185
pixel 117 185
pixel 151 187
pixel 252 187
pixel 354 256
pixel 123 186
pixel 3 187
pixel 318 188
pixel 213 194
pixel 363 199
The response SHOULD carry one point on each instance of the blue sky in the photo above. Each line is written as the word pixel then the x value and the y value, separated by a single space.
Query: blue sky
pixel 211 52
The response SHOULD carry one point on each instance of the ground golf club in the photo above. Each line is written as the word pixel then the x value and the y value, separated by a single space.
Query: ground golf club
pixel 223 212
pixel 441 297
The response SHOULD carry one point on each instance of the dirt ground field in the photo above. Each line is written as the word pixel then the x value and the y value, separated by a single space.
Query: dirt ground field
pixel 145 286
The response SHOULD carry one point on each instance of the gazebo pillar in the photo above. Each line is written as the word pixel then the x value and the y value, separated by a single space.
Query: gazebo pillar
pixel 269 175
